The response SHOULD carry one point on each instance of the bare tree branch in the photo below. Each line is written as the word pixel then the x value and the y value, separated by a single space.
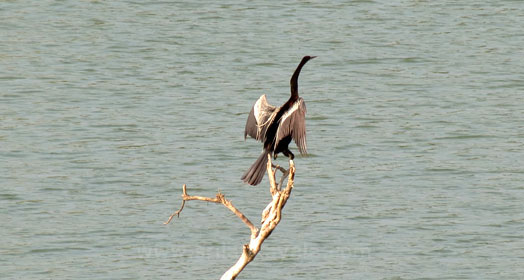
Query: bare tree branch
pixel 219 198
pixel 177 213
pixel 282 169
pixel 271 215
pixel 270 219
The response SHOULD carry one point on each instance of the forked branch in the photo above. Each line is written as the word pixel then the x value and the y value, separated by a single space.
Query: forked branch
pixel 219 198
pixel 271 215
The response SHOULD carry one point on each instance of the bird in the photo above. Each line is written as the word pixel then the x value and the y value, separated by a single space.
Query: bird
pixel 276 126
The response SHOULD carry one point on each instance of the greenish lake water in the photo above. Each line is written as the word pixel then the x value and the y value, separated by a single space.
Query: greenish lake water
pixel 415 131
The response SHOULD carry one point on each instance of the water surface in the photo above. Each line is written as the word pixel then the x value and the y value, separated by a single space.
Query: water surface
pixel 415 133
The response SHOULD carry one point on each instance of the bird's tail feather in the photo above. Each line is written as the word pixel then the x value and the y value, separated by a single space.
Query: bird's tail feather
pixel 256 172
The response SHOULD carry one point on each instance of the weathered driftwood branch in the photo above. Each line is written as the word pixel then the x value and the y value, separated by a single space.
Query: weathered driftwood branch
pixel 219 198
pixel 270 216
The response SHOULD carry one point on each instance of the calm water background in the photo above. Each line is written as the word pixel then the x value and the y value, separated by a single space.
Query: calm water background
pixel 415 133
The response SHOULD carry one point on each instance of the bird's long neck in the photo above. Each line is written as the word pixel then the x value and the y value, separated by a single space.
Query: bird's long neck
pixel 294 79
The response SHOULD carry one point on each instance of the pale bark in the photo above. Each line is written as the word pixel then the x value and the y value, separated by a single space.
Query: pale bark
pixel 271 215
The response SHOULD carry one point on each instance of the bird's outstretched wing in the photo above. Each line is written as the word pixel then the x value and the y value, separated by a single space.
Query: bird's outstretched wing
pixel 259 119
pixel 293 123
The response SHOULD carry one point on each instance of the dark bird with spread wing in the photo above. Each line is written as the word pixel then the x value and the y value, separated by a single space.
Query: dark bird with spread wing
pixel 275 127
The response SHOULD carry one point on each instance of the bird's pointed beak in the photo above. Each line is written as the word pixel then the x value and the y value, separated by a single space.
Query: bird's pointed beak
pixel 311 57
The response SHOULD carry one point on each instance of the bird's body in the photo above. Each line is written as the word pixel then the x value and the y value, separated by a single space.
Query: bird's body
pixel 275 127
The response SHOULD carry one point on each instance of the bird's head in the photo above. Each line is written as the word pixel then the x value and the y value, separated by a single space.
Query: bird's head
pixel 307 57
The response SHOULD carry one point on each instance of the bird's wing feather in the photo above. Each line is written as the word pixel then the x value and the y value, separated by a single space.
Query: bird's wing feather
pixel 293 123
pixel 251 125
pixel 258 119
